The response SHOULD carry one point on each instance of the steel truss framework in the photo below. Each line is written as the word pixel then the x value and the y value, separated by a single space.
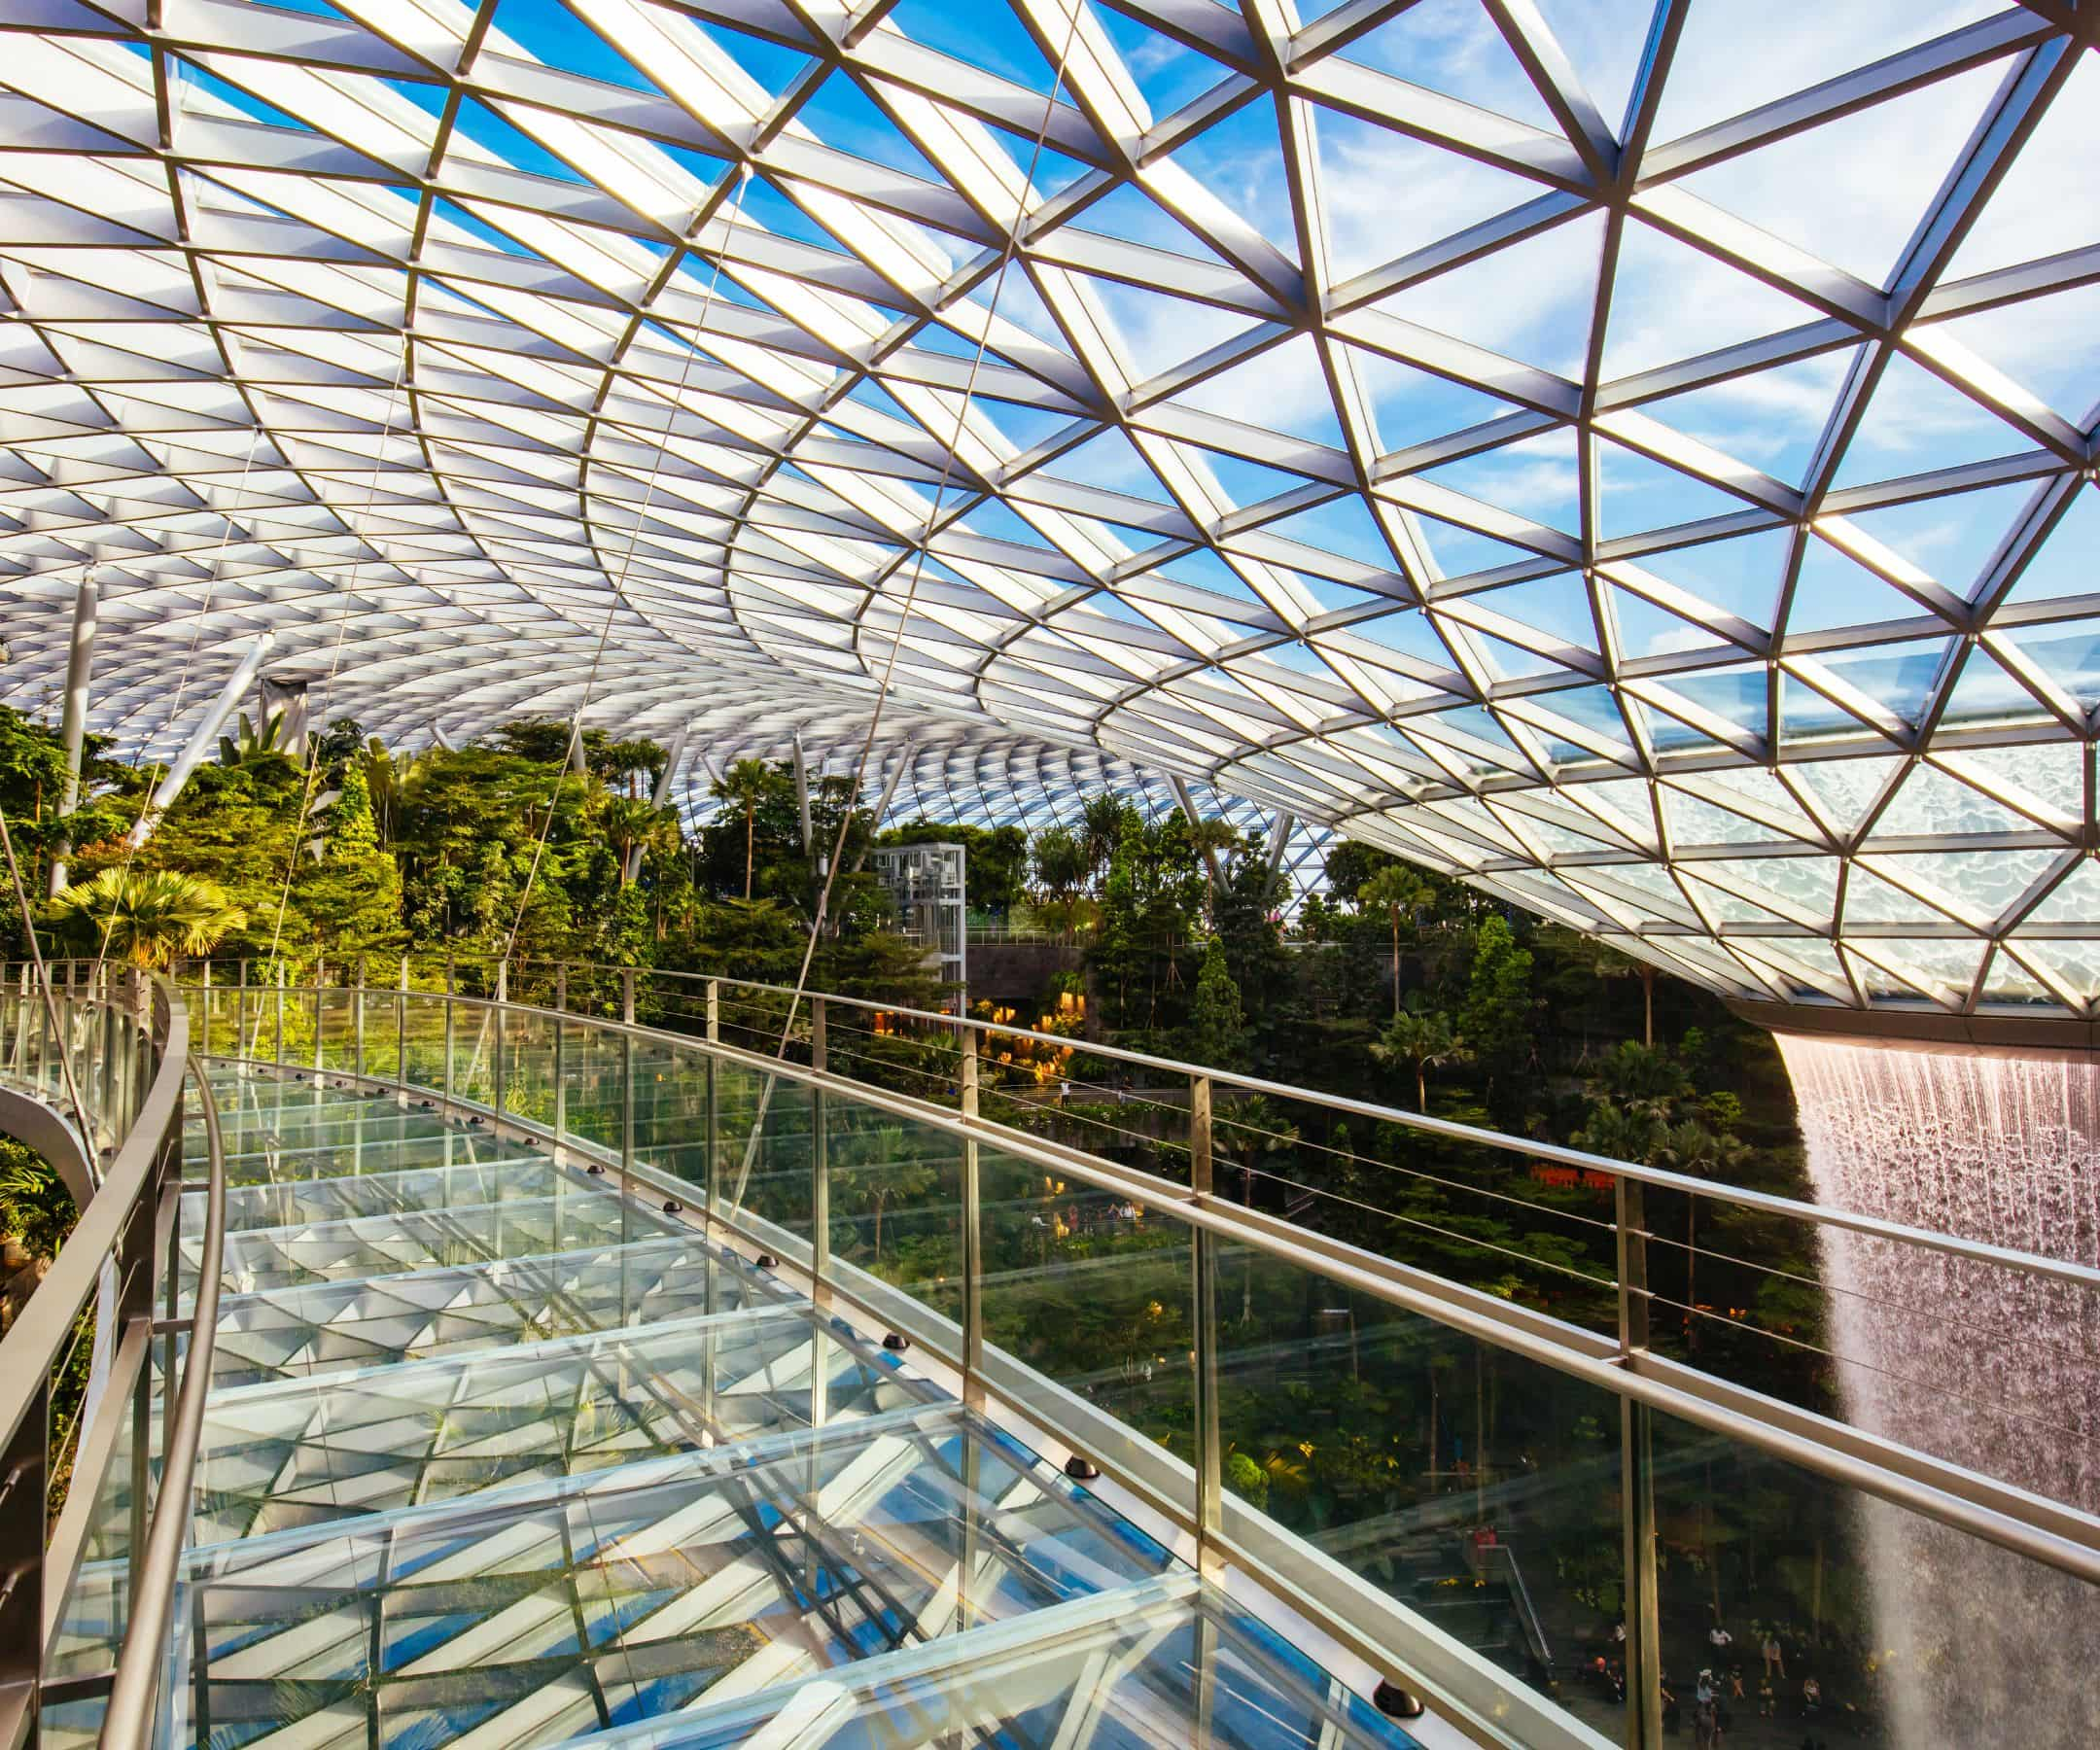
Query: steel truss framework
pixel 1727 602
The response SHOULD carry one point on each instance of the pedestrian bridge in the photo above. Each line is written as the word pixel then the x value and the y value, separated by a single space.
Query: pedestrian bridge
pixel 479 1372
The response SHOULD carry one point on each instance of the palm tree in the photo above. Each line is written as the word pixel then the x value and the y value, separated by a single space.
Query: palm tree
pixel 1210 837
pixel 148 917
pixel 390 780
pixel 1101 831
pixel 1397 888
pixel 743 786
pixel 1425 1038
pixel 633 824
pixel 1691 1149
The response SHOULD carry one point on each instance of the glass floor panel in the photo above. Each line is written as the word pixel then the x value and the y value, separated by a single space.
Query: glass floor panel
pixel 534 1618
pixel 284 1203
pixel 305 1453
pixel 325 1326
pixel 498 1456
pixel 282 1257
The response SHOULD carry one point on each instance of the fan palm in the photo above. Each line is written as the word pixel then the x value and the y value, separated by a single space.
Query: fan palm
pixel 1395 889
pixel 146 918
pixel 743 786
pixel 1423 1038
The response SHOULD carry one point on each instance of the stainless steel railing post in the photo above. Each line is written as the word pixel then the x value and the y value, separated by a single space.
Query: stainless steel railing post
pixel 500 1037
pixel 561 1063
pixel 1636 1482
pixel 450 1024
pixel 819 1166
pixel 401 1035
pixel 713 1106
pixel 357 1036
pixel 972 1200
pixel 1204 1330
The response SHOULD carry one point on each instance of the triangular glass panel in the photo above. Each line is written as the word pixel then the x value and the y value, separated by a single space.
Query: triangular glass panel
pixel 1604 41
pixel 2075 899
pixel 1165 70
pixel 2062 565
pixel 1387 194
pixel 1694 821
pixel 555 36
pixel 1536 478
pixel 1731 59
pixel 2006 981
pixel 2068 653
pixel 1411 406
pixel 1452 47
pixel 1638 494
pixel 1239 161
pixel 1556 607
pixel 1771 419
pixel 1736 695
pixel 1930 803
pixel 1804 888
pixel 1547 326
pixel 1740 577
pixel 1898 678
pixel 2030 213
pixel 1986 693
pixel 1948 538
pixel 1459 552
pixel 1870 899
pixel 1647 630
pixel 1130 214
pixel 1112 462
pixel 1979 887
pixel 1900 149
pixel 1917 423
pixel 2073 965
pixel 1841 791
pixel 1281 389
pixel 2044 344
pixel 1833 590
pixel 1947 965
pixel 1671 301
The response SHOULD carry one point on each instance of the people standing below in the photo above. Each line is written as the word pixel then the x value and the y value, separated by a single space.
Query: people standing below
pixel 1768 1698
pixel 1774 1658
pixel 1811 1695
pixel 1719 1638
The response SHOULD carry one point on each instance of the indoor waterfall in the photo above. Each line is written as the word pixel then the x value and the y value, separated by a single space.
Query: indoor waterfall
pixel 1967 1361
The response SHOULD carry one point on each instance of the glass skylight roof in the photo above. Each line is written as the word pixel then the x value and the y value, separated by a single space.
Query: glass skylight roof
pixel 1628 459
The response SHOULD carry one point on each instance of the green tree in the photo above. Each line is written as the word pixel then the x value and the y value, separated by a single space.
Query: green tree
pixel 1495 1017
pixel 1424 1039
pixel 349 893
pixel 1393 890
pixel 1702 1153
pixel 1217 1031
pixel 745 787
pixel 147 918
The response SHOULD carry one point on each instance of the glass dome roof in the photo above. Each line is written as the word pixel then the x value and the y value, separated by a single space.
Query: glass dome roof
pixel 1638 456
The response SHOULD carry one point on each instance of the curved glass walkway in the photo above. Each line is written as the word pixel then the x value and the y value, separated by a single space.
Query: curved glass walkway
pixel 496 1456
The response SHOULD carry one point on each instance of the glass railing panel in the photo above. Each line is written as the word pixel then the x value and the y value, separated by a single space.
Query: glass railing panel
pixel 423 1035
pixel 527 1039
pixel 767 1158
pixel 382 1035
pixel 595 1074
pixel 337 1026
pixel 1880 1626
pixel 1477 1489
pixel 670 1111
pixel 1093 1294
pixel 895 1192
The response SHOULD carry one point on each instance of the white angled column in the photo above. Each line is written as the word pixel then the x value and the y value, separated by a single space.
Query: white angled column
pixel 200 741
pixel 73 726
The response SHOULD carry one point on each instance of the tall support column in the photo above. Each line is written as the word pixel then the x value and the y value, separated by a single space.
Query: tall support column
pixel 674 760
pixel 801 791
pixel 1636 1483
pixel 882 802
pixel 1279 830
pixel 73 723
pixel 201 740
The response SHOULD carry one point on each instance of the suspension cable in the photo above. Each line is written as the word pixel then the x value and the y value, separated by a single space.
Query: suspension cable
pixel 1007 251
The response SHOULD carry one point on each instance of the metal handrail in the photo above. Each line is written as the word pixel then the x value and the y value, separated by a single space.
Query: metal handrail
pixel 122 1221
pixel 127 1724
pixel 1661 1178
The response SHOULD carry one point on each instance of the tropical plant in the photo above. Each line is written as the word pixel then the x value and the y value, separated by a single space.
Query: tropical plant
pixel 745 787
pixel 1425 1039
pixel 253 741
pixel 1702 1153
pixel 148 917
pixel 1394 889
pixel 632 823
